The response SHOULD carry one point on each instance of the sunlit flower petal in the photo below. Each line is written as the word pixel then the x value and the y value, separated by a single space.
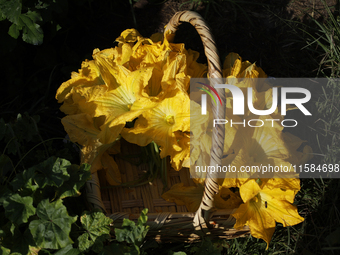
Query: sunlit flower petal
pixel 159 124
pixel 264 209
pixel 178 157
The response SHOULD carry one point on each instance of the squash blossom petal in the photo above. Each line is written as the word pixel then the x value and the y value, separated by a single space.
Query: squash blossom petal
pixel 95 141
pixel 160 123
pixel 88 76
pixel 179 157
pixel 264 207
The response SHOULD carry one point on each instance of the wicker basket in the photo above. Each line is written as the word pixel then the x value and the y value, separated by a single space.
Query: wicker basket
pixel 169 222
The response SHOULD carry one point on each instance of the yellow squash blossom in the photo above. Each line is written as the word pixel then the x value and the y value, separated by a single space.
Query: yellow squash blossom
pixel 263 207
pixel 87 76
pixel 178 158
pixel 159 124
pixel 234 67
pixel 119 85
pixel 96 138
pixel 173 65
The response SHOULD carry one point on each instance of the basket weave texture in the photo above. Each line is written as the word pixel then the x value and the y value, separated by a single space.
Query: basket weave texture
pixel 168 221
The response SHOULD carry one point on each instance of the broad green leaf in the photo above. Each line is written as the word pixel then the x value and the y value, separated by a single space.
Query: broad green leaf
pixel 85 243
pixel 18 209
pixel 52 230
pixel 24 182
pixel 78 177
pixel 14 31
pixel 32 32
pixel 4 251
pixel 11 9
pixel 68 250
pixel 52 172
pixel 97 226
pixel 132 233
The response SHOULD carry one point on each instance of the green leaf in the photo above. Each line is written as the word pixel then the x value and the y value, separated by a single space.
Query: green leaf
pixel 132 233
pixel 4 251
pixel 52 172
pixel 78 177
pixel 97 227
pixel 52 230
pixel 143 218
pixel 32 32
pixel 11 9
pixel 24 182
pixel 68 250
pixel 18 209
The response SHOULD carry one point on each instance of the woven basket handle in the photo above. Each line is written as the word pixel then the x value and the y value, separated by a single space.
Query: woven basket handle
pixel 203 214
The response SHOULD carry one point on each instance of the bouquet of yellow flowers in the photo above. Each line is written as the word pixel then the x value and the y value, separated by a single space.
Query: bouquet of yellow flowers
pixel 139 91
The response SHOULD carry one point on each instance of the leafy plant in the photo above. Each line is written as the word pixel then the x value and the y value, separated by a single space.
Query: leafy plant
pixel 28 16
pixel 33 209
pixel 97 230
pixel 130 237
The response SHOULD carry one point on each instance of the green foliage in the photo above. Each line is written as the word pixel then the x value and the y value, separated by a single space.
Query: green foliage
pixel 97 228
pixel 327 38
pixel 52 176
pixel 19 138
pixel 34 216
pixel 30 218
pixel 18 209
pixel 130 236
pixel 77 179
pixel 28 18
pixel 132 233
pixel 52 229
